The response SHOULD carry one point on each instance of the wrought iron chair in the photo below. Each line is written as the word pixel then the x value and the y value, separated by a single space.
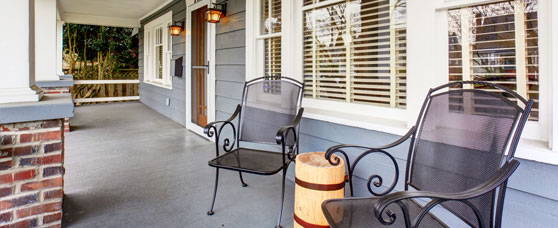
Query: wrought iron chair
pixel 269 114
pixel 461 155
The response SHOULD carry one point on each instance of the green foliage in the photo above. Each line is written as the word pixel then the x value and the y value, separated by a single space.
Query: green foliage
pixel 90 40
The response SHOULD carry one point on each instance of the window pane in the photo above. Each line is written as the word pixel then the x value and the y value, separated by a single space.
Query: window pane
pixel 270 24
pixel 498 44
pixel 272 56
pixel 159 62
pixel 355 51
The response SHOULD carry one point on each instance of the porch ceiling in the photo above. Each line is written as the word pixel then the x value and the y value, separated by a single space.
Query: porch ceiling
pixel 120 13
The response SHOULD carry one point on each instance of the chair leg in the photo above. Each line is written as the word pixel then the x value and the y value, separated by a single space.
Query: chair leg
pixel 282 198
pixel 242 180
pixel 211 212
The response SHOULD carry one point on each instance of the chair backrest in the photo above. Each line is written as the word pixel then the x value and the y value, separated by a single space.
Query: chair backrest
pixel 268 103
pixel 464 136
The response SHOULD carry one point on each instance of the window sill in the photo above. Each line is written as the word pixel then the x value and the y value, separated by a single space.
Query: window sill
pixel 368 122
pixel 158 84
pixel 538 151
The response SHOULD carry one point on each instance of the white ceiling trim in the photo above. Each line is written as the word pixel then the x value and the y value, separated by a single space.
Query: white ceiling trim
pixel 156 9
pixel 100 20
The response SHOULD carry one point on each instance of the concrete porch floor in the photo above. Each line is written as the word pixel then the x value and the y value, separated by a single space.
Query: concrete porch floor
pixel 128 166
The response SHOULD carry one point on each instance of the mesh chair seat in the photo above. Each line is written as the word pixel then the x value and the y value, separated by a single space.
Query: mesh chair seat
pixel 250 161
pixel 359 213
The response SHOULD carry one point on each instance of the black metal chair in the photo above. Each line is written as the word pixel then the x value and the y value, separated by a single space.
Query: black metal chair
pixel 461 155
pixel 269 114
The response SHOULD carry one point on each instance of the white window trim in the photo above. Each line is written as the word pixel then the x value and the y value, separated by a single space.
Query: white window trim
pixel 149 60
pixel 426 33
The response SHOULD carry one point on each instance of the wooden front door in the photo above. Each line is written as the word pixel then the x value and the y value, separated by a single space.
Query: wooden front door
pixel 200 67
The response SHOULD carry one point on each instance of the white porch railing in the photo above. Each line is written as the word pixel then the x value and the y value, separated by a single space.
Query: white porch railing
pixel 105 82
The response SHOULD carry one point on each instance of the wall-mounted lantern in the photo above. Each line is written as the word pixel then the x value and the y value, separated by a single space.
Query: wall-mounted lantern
pixel 176 28
pixel 218 11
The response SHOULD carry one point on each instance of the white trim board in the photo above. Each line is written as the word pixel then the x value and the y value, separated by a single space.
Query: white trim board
pixel 155 10
pixel 100 20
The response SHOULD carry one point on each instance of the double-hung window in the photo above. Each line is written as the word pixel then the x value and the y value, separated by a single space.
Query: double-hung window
pixel 269 37
pixel 158 51
pixel 355 51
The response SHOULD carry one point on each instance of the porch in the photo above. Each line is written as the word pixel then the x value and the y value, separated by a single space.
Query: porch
pixel 142 169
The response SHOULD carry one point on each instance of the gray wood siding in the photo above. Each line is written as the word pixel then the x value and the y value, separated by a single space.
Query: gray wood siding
pixel 230 59
pixel 154 96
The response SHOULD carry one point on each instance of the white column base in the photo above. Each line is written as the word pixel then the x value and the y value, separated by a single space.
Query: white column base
pixel 20 94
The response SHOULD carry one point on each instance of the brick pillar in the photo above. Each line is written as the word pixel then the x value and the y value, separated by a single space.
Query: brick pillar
pixel 31 174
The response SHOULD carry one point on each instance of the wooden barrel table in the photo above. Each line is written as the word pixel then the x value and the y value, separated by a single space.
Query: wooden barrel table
pixel 316 181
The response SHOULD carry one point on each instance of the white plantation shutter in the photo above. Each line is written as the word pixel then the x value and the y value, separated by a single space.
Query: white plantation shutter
pixel 355 51
pixel 272 56
pixel 497 43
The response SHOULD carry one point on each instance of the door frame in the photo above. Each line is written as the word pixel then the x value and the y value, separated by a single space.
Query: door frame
pixel 210 83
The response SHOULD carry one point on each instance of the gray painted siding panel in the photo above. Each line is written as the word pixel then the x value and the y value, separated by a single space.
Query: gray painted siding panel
pixel 229 89
pixel 232 39
pixel 154 96
pixel 226 104
pixel 231 56
pixel 231 73
pixel 235 6
pixel 231 23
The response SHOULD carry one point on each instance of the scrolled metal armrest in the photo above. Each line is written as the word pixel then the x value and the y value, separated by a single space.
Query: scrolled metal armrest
pixel 211 130
pixel 496 180
pixel 376 180
pixel 397 142
pixel 283 132
pixel 207 129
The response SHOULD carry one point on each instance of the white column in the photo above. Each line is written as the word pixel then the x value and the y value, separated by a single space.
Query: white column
pixel 46 42
pixel 17 81
pixel 59 47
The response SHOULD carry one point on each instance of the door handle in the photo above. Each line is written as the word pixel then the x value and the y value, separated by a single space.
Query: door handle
pixel 204 67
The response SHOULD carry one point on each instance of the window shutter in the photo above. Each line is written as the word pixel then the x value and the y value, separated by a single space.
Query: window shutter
pixel 356 52
pixel 273 56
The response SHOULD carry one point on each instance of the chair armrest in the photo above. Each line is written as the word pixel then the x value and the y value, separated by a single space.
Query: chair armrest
pixel 496 180
pixel 369 150
pixel 211 129
pixel 391 145
pixel 283 132
pixel 212 124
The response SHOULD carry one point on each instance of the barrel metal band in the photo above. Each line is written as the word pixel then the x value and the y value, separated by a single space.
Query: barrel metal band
pixel 307 225
pixel 319 187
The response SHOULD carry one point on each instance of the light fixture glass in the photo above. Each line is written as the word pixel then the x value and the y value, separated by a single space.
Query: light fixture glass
pixel 214 15
pixel 175 29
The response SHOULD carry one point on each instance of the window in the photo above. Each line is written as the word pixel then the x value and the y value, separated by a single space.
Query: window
pixel 270 35
pixel 497 43
pixel 355 51
pixel 158 51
